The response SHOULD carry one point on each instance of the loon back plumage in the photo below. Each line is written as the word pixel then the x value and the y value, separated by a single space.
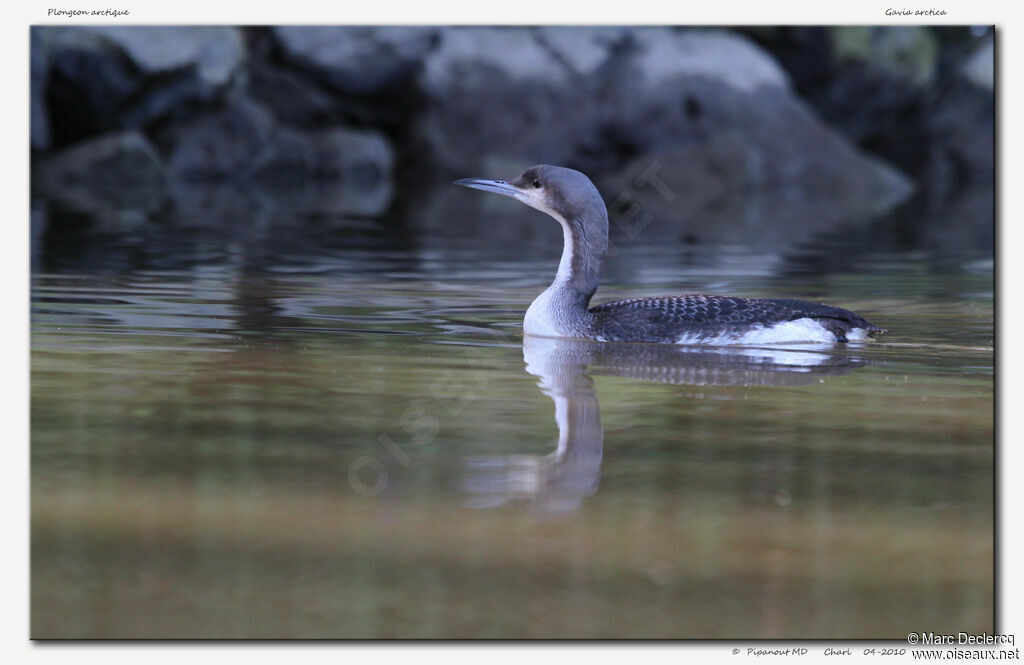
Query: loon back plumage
pixel 562 310
pixel 712 319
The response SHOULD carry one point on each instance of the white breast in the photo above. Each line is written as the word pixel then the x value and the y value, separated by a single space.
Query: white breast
pixel 541 318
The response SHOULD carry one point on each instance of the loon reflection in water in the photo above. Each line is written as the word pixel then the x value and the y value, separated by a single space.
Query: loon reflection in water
pixel 563 310
pixel 561 480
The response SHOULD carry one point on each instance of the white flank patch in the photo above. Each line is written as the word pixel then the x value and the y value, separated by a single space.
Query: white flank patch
pixel 857 335
pixel 800 330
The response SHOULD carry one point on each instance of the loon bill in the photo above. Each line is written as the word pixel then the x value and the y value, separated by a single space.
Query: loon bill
pixel 563 309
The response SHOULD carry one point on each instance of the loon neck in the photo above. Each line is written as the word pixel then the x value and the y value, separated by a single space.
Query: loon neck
pixel 584 245
pixel 562 309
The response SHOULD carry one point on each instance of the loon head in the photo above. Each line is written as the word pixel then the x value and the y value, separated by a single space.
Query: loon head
pixel 565 194
pixel 575 203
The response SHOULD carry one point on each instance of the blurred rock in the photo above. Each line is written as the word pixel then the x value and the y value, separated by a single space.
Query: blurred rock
pixel 603 98
pixel 965 223
pixel 909 52
pixel 318 116
pixel 804 52
pixel 215 52
pixel 511 53
pixel 930 115
pixel 119 171
pixel 961 129
pixel 39 68
pixel 87 90
pixel 980 66
pixel 361 157
pixel 663 55
pixel 877 111
pixel 37 231
pixel 243 141
pixel 961 229
pixel 357 59
pixel 105 78
pixel 703 231
pixel 496 97
pixel 292 98
pixel 244 206
pixel 690 195
pixel 230 142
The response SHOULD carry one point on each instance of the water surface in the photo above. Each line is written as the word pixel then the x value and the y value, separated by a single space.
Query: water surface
pixel 341 432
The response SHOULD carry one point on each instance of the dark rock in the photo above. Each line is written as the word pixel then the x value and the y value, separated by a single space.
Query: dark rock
pixel 249 204
pixel 105 78
pixel 37 230
pixel 879 112
pixel 230 142
pixel 942 135
pixel 920 98
pixel 498 99
pixel 293 99
pixel 960 230
pixel 40 67
pixel 330 154
pixel 910 53
pixel 119 171
pixel 804 52
pixel 361 60
pixel 761 226
pixel 979 67
pixel 964 223
pixel 695 193
pixel 501 99
pixel 243 141
pixel 87 91
pixel 214 52
pixel 961 126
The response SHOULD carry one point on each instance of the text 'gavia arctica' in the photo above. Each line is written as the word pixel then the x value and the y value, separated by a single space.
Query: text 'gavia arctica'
pixel 563 310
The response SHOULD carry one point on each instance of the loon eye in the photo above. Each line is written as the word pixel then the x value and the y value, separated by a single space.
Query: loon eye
pixel 536 183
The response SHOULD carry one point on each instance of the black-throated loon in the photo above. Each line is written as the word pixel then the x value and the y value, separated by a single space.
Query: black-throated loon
pixel 563 310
